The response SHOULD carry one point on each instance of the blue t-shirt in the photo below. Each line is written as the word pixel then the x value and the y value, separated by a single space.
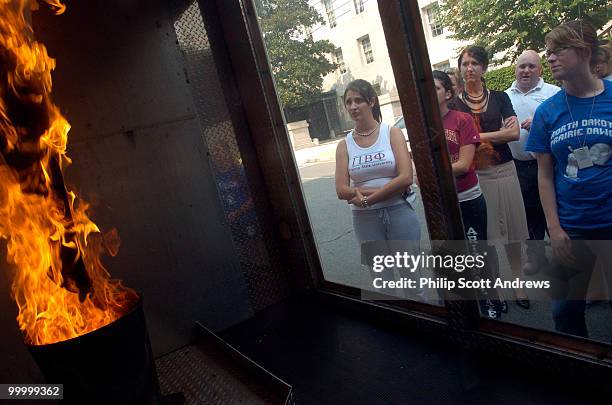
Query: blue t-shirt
pixel 584 195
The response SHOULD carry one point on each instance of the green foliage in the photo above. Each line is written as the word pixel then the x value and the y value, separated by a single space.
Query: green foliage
pixel 511 26
pixel 298 63
pixel 502 78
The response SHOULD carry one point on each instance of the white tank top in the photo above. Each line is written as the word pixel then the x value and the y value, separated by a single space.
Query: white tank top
pixel 374 166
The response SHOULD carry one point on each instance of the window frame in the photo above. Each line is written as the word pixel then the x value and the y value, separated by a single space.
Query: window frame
pixel 328 5
pixel 368 54
pixel 359 6
pixel 432 11
pixel 340 61
pixel 412 69
pixel 443 66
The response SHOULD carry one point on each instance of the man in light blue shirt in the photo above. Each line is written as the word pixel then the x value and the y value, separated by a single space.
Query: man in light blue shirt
pixel 527 92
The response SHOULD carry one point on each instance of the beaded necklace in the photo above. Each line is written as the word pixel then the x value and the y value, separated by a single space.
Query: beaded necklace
pixel 482 99
pixel 367 134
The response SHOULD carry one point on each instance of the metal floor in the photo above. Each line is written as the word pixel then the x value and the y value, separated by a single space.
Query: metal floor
pixel 205 376
pixel 331 356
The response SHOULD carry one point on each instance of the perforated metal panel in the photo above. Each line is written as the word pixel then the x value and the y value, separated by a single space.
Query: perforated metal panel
pixel 205 377
pixel 265 280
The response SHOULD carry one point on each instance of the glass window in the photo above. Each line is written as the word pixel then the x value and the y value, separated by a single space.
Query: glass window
pixel 443 66
pixel 329 10
pixel 366 47
pixel 432 19
pixel 358 6
pixel 340 60
pixel 318 119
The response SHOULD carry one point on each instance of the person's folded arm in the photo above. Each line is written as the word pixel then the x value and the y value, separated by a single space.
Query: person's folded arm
pixel 368 191
pixel 508 133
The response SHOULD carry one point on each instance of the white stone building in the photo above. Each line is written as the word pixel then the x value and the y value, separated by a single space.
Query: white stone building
pixel 443 51
pixel 354 27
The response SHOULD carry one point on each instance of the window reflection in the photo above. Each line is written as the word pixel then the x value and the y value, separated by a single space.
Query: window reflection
pixel 496 180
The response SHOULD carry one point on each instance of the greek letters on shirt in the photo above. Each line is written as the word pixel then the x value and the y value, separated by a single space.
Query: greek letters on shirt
pixel 367 160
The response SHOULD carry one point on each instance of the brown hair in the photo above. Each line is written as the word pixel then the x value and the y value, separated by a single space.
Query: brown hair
pixel 366 90
pixel 445 80
pixel 476 52
pixel 603 57
pixel 577 34
pixel 456 73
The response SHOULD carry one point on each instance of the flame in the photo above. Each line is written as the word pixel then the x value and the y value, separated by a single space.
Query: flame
pixel 60 285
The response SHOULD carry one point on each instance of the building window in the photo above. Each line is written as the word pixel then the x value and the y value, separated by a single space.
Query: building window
pixel 329 10
pixel 443 66
pixel 366 47
pixel 358 6
pixel 340 60
pixel 433 20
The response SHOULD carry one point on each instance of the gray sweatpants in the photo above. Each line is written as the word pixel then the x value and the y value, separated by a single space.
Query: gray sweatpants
pixel 395 223
pixel 398 222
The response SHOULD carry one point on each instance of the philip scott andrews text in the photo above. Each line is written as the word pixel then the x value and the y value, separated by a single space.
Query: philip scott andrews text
pixel 461 283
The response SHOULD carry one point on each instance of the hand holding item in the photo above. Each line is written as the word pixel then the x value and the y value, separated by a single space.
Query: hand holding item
pixel 527 123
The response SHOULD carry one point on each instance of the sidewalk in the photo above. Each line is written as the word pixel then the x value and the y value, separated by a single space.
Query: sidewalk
pixel 325 152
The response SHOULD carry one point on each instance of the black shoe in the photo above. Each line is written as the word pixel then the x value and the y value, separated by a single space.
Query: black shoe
pixel 523 303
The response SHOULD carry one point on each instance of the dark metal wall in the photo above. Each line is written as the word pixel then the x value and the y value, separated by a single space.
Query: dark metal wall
pixel 153 146
pixel 235 167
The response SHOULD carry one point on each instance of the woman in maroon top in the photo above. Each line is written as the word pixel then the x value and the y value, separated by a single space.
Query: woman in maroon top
pixel 462 138
pixel 497 123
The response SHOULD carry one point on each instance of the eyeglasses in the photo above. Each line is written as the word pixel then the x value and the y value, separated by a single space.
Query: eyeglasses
pixel 557 51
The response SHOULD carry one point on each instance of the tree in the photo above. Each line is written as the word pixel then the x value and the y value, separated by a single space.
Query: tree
pixel 511 26
pixel 298 62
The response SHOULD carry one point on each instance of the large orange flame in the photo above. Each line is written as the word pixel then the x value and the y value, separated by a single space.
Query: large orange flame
pixel 60 285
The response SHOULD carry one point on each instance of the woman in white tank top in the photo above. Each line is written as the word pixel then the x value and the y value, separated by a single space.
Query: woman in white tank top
pixel 373 171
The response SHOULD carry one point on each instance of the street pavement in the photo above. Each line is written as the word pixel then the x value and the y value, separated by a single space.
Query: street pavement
pixel 340 255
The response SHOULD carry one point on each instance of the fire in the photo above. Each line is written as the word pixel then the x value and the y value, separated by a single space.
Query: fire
pixel 60 285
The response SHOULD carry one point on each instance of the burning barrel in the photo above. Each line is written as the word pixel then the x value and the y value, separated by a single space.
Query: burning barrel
pixel 84 329
pixel 111 365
